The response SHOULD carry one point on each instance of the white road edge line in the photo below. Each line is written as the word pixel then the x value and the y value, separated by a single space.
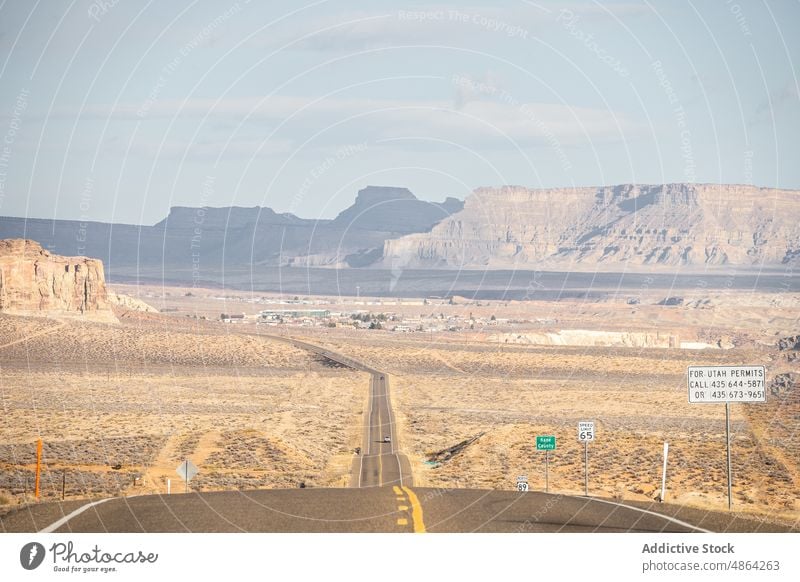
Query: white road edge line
pixel 661 515
pixel 54 526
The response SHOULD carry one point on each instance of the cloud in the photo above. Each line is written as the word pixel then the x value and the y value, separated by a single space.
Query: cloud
pixel 285 123
pixel 432 24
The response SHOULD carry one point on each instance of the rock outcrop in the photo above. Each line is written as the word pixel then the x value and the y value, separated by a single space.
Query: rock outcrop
pixel 34 281
pixel 789 343
pixel 635 225
pixel 130 303
pixel 395 210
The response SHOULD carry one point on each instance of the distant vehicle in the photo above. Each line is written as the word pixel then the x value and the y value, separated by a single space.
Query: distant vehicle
pixel 358 450
pixel 387 439
pixel 381 377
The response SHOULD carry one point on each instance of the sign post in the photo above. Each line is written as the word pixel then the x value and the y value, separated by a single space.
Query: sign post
pixel 546 443
pixel 728 450
pixel 187 471
pixel 38 468
pixel 664 472
pixel 709 384
pixel 585 434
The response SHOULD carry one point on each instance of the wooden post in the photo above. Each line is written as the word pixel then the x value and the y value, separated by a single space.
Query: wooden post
pixel 38 467
pixel 63 485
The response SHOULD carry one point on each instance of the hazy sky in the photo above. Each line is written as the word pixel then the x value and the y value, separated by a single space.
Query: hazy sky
pixel 117 110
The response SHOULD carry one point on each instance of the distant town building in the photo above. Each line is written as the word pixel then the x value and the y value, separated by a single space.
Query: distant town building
pixel 231 317
pixel 278 314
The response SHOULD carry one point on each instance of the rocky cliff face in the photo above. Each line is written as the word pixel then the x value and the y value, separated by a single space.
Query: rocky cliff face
pixel 394 210
pixel 34 281
pixel 635 225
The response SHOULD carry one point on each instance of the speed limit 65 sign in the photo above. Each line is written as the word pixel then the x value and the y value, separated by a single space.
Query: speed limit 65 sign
pixel 586 431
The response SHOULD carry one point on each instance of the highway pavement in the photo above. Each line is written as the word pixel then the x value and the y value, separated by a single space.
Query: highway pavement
pixel 391 509
pixel 379 461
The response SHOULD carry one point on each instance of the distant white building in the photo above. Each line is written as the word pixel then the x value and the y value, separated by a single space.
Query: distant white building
pixel 232 317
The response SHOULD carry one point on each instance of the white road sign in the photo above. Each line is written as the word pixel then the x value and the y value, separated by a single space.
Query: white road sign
pixel 726 384
pixel 522 483
pixel 585 431
pixel 187 470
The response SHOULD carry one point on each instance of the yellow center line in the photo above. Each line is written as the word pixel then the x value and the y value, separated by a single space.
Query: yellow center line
pixel 416 512
pixel 397 490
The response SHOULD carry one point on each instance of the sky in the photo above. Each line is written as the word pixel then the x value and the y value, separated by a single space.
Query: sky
pixel 116 110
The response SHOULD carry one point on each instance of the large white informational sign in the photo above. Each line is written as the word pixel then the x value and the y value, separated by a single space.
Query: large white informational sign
pixel 726 384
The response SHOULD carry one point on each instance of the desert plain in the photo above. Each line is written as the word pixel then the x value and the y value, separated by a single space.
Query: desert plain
pixel 120 405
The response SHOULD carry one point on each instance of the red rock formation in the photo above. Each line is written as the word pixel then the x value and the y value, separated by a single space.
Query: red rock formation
pixel 34 281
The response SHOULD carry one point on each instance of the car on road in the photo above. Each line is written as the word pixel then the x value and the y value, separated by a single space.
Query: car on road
pixel 387 439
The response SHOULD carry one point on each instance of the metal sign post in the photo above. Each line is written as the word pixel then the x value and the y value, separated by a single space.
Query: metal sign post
pixel 187 471
pixel 708 384
pixel 728 449
pixel 546 443
pixel 585 434
pixel 546 471
pixel 586 468
pixel 664 472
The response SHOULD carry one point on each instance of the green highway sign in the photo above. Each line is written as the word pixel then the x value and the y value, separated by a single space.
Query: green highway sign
pixel 546 443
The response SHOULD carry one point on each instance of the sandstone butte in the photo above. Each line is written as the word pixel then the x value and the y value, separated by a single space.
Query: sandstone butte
pixel 35 282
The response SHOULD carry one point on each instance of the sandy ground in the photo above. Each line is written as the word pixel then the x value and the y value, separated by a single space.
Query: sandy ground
pixel 120 406
pixel 709 315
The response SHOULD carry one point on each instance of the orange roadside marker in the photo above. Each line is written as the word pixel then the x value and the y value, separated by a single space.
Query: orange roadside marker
pixel 38 465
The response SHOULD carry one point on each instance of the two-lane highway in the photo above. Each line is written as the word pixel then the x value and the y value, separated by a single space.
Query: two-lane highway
pixel 374 509
pixel 380 462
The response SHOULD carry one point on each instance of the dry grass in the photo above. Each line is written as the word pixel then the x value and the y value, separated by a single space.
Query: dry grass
pixel 251 412
pixel 445 393
pixel 115 402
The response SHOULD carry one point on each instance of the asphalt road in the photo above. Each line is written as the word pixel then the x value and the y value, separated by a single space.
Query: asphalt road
pixel 374 509
pixel 379 463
